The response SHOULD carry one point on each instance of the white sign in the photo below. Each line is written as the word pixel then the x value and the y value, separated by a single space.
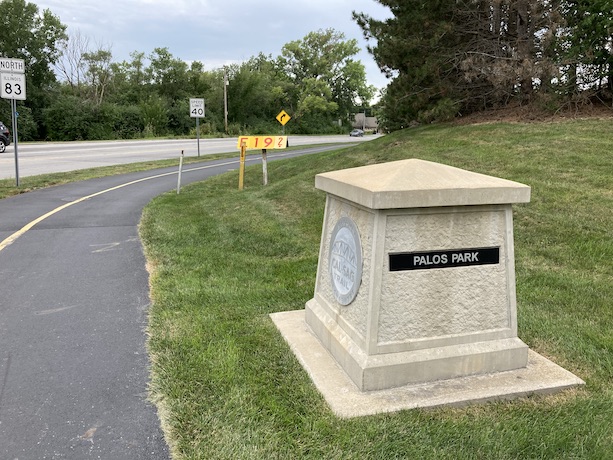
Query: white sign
pixel 13 86
pixel 196 108
pixel 12 65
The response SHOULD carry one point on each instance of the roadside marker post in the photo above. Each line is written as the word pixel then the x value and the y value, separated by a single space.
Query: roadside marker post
pixel 180 171
pixel 259 142
pixel 241 169
pixel 264 167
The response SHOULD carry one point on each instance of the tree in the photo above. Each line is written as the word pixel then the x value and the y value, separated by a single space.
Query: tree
pixel 589 42
pixel 98 64
pixel 255 94
pixel 167 74
pixel 315 107
pixel 35 37
pixel 326 57
pixel 449 57
pixel 71 65
pixel 129 80
pixel 417 48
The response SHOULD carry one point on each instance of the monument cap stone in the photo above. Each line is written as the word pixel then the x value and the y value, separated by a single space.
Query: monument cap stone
pixel 415 183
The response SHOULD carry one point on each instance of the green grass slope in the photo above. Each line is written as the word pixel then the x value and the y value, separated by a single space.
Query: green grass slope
pixel 228 387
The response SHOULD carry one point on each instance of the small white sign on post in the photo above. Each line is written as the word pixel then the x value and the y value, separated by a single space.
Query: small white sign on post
pixel 13 86
pixel 196 108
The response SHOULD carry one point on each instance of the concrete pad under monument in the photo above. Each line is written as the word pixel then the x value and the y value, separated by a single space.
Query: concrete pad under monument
pixel 415 292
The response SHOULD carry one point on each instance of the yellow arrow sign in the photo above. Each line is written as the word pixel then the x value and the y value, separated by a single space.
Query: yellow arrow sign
pixel 283 117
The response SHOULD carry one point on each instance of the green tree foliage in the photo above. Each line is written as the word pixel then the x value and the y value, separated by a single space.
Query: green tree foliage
pixel 589 42
pixel 460 56
pixel 35 37
pixel 416 48
pixel 129 80
pixel 98 74
pixel 323 62
pixel 167 75
pixel 316 80
pixel 155 116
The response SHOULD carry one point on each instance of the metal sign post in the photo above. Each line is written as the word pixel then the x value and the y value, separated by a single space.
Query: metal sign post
pixel 15 140
pixel 198 134
pixel 196 110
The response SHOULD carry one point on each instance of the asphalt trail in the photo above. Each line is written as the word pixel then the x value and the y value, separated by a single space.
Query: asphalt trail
pixel 74 298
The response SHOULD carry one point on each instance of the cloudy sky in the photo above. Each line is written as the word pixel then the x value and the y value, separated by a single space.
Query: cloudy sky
pixel 215 32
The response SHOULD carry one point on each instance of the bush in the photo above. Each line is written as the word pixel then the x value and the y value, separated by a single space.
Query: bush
pixel 129 124
pixel 67 119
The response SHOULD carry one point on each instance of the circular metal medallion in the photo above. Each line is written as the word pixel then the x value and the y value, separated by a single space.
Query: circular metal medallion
pixel 345 264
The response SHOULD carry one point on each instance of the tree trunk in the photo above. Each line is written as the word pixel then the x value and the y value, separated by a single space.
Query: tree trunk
pixel 572 79
pixel 524 47
pixel 496 17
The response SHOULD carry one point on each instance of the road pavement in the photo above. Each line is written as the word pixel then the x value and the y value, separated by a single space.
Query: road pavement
pixel 73 315
pixel 48 157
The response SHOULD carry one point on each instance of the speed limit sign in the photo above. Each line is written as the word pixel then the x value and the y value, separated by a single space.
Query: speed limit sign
pixel 13 86
pixel 196 108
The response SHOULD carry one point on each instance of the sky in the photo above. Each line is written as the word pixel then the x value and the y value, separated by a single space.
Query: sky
pixel 215 32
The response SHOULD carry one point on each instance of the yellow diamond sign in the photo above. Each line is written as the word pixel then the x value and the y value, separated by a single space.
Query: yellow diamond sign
pixel 283 117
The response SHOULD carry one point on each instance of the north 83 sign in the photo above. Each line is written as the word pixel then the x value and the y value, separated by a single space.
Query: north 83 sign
pixel 13 86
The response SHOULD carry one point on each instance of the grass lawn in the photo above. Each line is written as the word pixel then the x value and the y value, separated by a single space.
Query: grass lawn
pixel 228 387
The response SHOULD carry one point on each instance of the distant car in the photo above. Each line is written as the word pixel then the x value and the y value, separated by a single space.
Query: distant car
pixel 356 133
pixel 5 137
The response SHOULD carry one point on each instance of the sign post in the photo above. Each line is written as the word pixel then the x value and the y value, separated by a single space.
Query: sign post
pixel 13 87
pixel 241 169
pixel 264 167
pixel 180 172
pixel 196 110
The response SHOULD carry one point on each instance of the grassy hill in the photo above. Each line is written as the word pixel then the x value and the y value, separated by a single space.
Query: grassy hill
pixel 227 385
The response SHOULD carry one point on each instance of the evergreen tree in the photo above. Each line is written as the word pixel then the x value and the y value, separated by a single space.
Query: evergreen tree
pixel 589 43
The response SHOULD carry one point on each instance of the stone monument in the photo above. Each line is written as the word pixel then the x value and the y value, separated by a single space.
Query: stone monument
pixel 416 275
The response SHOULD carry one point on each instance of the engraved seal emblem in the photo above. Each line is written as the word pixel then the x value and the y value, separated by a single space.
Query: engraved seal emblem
pixel 345 264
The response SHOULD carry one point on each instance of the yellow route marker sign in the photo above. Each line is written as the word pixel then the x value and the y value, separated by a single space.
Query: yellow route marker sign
pixel 262 142
pixel 283 117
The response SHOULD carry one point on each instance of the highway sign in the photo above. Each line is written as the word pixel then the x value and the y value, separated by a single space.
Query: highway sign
pixel 13 86
pixel 283 117
pixel 196 108
pixel 12 65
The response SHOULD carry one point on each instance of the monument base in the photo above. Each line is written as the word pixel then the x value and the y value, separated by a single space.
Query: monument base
pixel 389 370
pixel 539 376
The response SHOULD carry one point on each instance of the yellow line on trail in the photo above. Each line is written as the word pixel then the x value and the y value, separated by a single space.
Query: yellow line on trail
pixel 11 239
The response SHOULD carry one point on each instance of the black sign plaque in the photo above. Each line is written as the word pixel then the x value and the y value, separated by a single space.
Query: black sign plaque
pixel 443 259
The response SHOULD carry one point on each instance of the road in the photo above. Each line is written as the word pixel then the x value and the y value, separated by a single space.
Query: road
pixel 74 297
pixel 47 157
